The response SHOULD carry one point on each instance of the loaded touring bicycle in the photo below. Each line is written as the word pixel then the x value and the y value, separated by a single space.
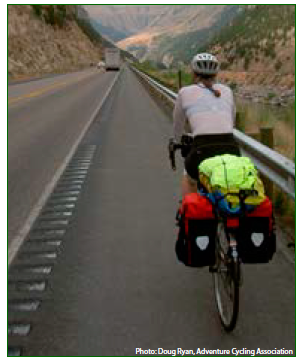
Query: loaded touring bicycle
pixel 225 226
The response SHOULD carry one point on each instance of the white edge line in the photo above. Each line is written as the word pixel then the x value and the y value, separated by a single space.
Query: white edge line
pixel 21 235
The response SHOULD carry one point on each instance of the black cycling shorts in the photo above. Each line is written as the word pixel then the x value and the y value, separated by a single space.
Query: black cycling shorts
pixel 207 146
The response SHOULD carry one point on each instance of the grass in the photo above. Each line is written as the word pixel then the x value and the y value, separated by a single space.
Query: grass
pixel 282 120
pixel 169 78
pixel 285 211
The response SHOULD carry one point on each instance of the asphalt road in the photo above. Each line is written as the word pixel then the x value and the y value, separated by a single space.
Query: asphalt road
pixel 115 284
pixel 45 117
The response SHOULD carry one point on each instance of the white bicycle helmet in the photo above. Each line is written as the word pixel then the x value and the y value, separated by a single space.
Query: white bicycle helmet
pixel 205 63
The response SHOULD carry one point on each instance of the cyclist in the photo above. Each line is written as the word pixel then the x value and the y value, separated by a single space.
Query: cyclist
pixel 207 110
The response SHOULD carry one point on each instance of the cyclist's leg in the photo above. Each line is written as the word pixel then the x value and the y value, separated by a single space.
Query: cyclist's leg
pixel 190 175
pixel 188 185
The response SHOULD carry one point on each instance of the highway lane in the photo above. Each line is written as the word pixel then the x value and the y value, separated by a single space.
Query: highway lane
pixel 45 117
pixel 23 90
pixel 116 285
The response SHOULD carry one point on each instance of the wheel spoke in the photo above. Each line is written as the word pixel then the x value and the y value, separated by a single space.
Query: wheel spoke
pixel 226 282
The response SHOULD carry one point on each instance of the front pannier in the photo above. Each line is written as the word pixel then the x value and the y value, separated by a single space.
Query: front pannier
pixel 195 246
pixel 256 234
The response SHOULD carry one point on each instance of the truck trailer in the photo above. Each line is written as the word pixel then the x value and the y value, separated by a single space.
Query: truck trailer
pixel 112 59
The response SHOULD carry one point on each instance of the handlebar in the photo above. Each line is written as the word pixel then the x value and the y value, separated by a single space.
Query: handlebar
pixel 172 149
pixel 185 146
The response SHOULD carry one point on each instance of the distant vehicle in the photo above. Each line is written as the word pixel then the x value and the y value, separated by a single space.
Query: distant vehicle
pixel 101 64
pixel 112 59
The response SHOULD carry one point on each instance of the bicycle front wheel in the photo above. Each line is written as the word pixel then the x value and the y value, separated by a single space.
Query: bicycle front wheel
pixel 226 282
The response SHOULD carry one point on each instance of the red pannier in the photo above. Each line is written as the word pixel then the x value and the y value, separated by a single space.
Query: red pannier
pixel 256 234
pixel 195 246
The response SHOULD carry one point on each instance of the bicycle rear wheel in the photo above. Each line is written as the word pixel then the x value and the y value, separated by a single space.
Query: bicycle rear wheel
pixel 226 282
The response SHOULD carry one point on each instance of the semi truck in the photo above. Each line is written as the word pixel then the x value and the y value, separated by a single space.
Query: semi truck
pixel 112 59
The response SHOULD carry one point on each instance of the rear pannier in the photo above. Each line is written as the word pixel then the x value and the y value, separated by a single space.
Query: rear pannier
pixel 256 234
pixel 195 246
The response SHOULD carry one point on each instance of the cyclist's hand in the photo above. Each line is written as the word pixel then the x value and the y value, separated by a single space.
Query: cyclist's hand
pixel 171 145
pixel 171 148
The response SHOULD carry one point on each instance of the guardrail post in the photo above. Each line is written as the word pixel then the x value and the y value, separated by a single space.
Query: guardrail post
pixel 254 135
pixel 267 138
pixel 179 79
pixel 239 122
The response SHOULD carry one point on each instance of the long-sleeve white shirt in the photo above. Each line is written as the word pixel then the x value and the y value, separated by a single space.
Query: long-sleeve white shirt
pixel 204 113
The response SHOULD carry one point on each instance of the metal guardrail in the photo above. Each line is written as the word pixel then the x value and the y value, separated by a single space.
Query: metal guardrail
pixel 270 163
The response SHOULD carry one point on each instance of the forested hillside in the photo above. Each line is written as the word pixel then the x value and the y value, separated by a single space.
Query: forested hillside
pixel 261 39
pixel 180 48
pixel 50 39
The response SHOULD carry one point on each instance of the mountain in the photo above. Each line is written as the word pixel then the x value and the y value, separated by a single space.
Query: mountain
pixel 260 41
pixel 260 34
pixel 166 33
pixel 52 39
pixel 89 26
pixel 49 39
pixel 121 21
pixel 174 49
pixel 255 43
pixel 110 33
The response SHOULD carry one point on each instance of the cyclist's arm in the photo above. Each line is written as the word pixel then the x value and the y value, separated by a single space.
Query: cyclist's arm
pixel 179 119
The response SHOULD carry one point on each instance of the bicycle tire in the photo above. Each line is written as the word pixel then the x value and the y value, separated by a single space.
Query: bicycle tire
pixel 227 277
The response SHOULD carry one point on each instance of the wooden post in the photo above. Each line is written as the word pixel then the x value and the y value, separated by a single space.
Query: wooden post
pixel 179 79
pixel 267 138
pixel 254 135
pixel 239 122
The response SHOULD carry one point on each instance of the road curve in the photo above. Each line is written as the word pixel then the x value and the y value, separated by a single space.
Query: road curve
pixel 115 284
